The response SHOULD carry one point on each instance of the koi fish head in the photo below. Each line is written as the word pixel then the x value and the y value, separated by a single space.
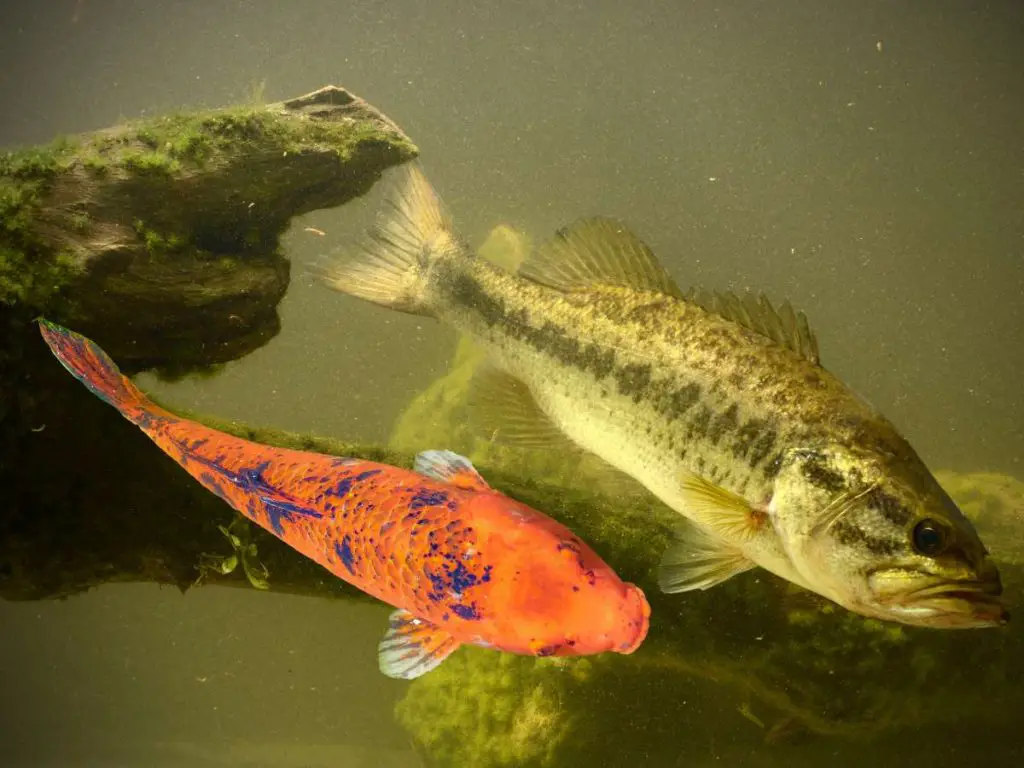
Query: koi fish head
pixel 554 594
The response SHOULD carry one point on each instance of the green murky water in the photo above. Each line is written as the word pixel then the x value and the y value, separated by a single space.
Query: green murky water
pixel 863 160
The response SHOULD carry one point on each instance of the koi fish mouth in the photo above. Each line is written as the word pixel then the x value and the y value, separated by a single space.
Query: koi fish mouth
pixel 639 612
pixel 949 604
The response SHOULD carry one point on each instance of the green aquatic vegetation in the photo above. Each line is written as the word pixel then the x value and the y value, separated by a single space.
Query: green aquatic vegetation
pixel 95 164
pixel 492 710
pixel 196 137
pixel 190 145
pixel 147 137
pixel 80 222
pixel 25 283
pixel 150 163
pixel 244 551
pixel 156 242
pixel 38 163
pixel 31 272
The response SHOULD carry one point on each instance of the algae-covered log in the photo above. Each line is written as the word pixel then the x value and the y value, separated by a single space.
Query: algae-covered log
pixel 160 237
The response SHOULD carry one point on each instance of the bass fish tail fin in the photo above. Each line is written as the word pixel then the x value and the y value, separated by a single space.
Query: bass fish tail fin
pixel 92 366
pixel 391 265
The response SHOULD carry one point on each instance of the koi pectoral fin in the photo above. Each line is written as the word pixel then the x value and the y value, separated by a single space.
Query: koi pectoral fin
pixel 450 467
pixel 412 647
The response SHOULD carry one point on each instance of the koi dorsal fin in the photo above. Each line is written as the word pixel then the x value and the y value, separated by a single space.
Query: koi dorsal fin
pixel 412 647
pixel 450 467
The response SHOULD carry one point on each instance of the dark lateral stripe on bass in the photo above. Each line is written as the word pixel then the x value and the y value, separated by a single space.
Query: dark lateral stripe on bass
pixel 753 440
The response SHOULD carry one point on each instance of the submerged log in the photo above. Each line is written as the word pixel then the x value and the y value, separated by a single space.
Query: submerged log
pixel 160 238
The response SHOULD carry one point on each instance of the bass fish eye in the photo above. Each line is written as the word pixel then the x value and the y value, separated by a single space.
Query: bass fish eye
pixel 929 537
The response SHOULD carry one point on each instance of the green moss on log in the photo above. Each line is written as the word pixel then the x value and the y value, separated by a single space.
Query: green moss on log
pixel 161 237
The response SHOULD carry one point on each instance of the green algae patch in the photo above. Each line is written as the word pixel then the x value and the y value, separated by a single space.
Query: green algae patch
pixel 31 271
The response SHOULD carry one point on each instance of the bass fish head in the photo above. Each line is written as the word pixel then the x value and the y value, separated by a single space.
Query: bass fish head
pixel 879 536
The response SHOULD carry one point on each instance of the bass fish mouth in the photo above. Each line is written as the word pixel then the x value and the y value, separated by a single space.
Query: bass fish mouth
pixel 953 605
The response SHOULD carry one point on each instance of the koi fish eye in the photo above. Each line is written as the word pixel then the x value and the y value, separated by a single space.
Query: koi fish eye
pixel 930 537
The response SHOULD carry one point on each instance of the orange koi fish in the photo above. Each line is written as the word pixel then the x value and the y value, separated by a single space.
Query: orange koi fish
pixel 462 563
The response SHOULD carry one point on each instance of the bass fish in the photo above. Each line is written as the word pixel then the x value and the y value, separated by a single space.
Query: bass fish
pixel 717 404
pixel 461 562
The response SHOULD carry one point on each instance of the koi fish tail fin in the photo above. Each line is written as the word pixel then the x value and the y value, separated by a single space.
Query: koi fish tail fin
pixel 94 368
pixel 392 265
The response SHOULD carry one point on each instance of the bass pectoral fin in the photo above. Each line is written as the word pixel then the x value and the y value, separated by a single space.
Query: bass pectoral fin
pixel 412 647
pixel 727 514
pixel 699 560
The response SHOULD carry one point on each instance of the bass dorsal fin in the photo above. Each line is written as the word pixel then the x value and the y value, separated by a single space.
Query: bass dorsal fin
pixel 785 326
pixel 594 252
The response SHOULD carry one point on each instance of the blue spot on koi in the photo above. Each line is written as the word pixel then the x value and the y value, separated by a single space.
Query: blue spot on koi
pixel 424 498
pixel 146 420
pixel 468 612
pixel 250 480
pixel 454 581
pixel 342 488
pixel 437 584
pixel 462 578
pixel 278 510
pixel 345 484
pixel 344 552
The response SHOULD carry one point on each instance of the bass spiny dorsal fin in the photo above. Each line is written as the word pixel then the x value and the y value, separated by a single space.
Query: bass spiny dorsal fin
pixel 597 251
pixel 784 326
